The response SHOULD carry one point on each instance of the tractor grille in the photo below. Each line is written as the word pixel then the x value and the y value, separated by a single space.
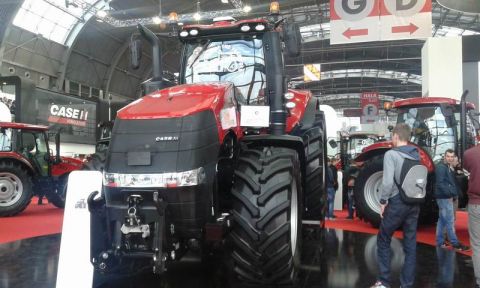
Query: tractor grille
pixel 173 144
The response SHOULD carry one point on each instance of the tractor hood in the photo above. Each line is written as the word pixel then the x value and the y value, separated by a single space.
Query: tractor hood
pixel 177 101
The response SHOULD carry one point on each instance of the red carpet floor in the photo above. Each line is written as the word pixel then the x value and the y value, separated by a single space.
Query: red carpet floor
pixel 36 220
pixel 39 220
pixel 425 234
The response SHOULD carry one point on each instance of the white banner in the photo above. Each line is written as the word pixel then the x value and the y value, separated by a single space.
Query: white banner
pixel 74 267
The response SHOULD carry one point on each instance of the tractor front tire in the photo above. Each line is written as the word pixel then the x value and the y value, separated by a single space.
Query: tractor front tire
pixel 367 192
pixel 16 189
pixel 58 197
pixel 267 217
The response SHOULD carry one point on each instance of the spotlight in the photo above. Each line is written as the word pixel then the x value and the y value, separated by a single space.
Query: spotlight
pixel 247 8
pixel 173 17
pixel 101 14
pixel 197 16
pixel 157 20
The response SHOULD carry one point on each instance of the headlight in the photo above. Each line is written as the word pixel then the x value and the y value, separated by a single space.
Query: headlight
pixel 161 180
pixel 183 34
pixel 245 28
pixel 260 27
pixel 289 95
pixel 194 32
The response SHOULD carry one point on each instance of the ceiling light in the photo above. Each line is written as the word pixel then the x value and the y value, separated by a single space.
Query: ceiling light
pixel 274 8
pixel 157 20
pixel 173 17
pixel 101 13
pixel 225 1
pixel 247 8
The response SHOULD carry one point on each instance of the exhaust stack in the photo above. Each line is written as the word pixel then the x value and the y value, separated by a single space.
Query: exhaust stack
pixel 156 82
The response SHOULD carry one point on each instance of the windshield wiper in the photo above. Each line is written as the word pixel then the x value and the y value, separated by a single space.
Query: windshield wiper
pixel 204 47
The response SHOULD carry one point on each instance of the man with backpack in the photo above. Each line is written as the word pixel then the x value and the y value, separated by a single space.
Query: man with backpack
pixel 446 191
pixel 404 185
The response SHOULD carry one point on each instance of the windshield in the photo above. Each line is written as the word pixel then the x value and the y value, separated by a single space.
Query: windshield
pixel 238 61
pixel 430 130
pixel 358 143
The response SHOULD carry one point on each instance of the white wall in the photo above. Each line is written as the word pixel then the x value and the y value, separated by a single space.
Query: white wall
pixel 71 149
pixel 442 67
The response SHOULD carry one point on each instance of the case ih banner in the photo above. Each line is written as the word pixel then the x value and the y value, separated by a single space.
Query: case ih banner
pixel 369 104
pixel 68 115
pixel 379 20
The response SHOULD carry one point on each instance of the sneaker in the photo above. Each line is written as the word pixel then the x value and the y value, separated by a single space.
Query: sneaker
pixel 378 284
pixel 444 246
pixel 461 247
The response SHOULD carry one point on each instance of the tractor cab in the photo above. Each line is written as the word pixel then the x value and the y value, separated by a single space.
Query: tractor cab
pixel 29 142
pixel 436 125
pixel 227 52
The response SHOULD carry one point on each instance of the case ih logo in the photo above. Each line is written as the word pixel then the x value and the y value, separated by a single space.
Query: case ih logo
pixel 166 138
pixel 68 115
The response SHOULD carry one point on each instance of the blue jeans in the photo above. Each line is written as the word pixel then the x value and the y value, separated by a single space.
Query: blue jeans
pixel 446 220
pixel 351 202
pixel 398 214
pixel 331 200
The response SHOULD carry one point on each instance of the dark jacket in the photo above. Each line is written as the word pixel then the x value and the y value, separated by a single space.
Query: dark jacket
pixel 445 182
pixel 330 181
pixel 335 176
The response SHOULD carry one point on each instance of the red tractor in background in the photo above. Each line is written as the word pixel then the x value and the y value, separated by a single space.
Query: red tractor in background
pixel 228 156
pixel 28 168
pixel 437 124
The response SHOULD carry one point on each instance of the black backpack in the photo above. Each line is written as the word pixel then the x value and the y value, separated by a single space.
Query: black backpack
pixel 413 182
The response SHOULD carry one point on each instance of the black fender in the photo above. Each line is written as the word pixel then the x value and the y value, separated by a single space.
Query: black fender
pixel 286 141
pixel 22 162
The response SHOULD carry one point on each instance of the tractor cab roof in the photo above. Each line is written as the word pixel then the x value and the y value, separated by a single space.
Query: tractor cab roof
pixel 23 126
pixel 225 28
pixel 425 101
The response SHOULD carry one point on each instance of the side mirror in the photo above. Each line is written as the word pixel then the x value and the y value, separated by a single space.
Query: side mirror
pixel 293 39
pixel 57 147
pixel 135 53
pixel 333 143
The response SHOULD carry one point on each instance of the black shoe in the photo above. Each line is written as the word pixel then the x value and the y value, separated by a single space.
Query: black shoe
pixel 461 247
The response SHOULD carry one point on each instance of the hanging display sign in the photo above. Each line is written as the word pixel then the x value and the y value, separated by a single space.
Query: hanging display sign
pixel 369 103
pixel 379 20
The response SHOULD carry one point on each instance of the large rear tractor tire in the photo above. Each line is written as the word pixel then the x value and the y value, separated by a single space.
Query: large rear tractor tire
pixel 368 189
pixel 16 189
pixel 315 189
pixel 267 217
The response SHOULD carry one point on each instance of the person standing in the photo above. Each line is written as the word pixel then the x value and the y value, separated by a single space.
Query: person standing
pixel 446 191
pixel 330 191
pixel 472 165
pixel 396 213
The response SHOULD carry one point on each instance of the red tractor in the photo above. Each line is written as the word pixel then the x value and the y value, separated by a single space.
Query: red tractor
pixel 437 124
pixel 28 168
pixel 228 156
